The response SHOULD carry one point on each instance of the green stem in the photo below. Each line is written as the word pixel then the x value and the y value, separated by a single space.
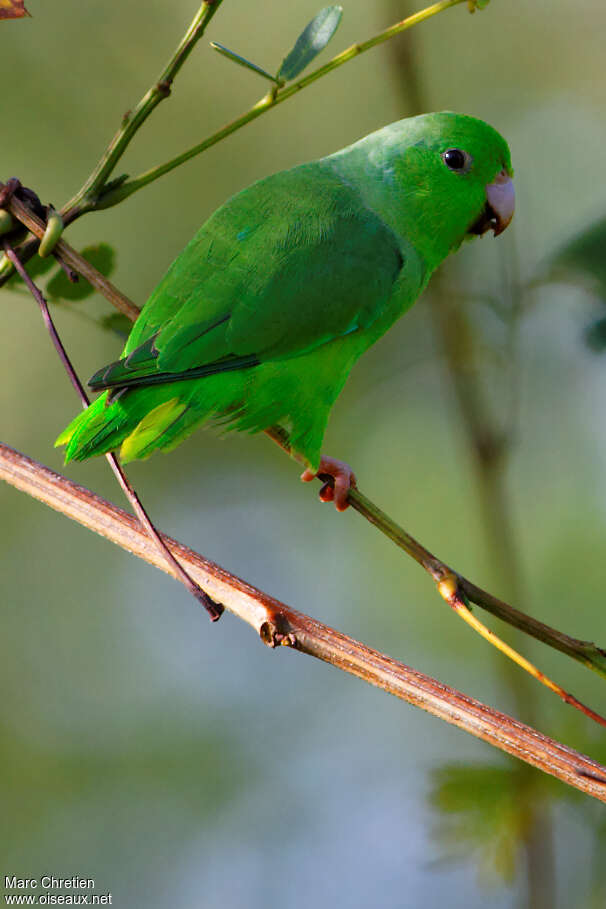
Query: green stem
pixel 583 651
pixel 271 100
pixel 133 121
pixel 91 197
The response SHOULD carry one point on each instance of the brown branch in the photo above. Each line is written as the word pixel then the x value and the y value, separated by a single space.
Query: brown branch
pixel 277 623
pixel 69 257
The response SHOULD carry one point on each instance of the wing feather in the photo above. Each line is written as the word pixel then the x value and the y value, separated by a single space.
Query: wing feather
pixel 291 263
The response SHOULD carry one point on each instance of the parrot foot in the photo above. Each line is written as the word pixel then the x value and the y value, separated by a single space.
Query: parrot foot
pixel 338 478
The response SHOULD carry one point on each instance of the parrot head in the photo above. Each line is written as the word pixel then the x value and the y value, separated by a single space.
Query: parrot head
pixel 457 175
pixel 444 178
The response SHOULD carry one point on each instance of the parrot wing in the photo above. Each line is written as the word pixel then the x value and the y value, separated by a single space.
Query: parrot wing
pixel 289 264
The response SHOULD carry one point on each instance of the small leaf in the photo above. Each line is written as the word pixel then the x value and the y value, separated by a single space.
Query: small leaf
pixel 13 9
pixel 118 323
pixel 242 61
pixel 477 4
pixel 37 266
pixel 101 256
pixel 585 253
pixel 313 39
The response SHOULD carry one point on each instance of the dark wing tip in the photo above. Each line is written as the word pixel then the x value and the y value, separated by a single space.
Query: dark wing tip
pixel 99 380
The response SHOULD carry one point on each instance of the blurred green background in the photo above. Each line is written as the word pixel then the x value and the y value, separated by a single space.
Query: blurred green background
pixel 180 764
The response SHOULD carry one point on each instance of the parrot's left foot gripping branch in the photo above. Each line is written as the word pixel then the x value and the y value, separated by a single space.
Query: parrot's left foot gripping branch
pixel 338 479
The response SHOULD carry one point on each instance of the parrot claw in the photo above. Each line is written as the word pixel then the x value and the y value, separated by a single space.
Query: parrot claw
pixel 339 479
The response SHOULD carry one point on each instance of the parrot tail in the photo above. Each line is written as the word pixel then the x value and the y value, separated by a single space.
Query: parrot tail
pixel 137 424
pixel 98 429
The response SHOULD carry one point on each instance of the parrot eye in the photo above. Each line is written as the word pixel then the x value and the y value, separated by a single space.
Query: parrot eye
pixel 456 159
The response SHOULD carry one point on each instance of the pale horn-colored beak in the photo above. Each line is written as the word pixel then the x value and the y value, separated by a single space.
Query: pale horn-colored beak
pixel 502 200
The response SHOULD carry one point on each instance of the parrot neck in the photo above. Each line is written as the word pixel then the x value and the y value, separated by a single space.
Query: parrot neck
pixel 368 168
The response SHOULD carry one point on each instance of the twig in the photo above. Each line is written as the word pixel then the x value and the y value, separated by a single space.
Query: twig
pixel 585 652
pixel 133 121
pixel 277 624
pixel 490 445
pixel 447 581
pixel 71 258
pixel 214 609
pixel 92 197
pixel 450 590
pixel 274 97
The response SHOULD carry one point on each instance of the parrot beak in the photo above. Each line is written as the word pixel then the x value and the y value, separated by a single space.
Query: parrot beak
pixel 499 208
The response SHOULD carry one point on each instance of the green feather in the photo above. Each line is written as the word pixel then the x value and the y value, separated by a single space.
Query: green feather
pixel 149 431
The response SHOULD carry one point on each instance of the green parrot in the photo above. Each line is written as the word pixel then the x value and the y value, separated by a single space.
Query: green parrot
pixel 258 322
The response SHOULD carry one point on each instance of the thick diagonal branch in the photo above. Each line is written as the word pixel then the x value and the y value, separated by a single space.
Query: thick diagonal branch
pixel 279 624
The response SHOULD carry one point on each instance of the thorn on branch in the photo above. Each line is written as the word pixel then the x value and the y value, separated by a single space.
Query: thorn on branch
pixel 72 276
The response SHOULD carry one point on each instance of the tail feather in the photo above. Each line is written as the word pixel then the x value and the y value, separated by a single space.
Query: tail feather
pixel 98 429
pixel 147 434
pixel 141 420
pixel 137 423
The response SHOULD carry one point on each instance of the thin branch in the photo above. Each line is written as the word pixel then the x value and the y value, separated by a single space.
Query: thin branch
pixel 447 581
pixel 70 258
pixel 272 99
pixel 536 830
pixel 134 120
pixel 452 593
pixel 214 609
pixel 278 624
pixel 585 652
pixel 91 196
